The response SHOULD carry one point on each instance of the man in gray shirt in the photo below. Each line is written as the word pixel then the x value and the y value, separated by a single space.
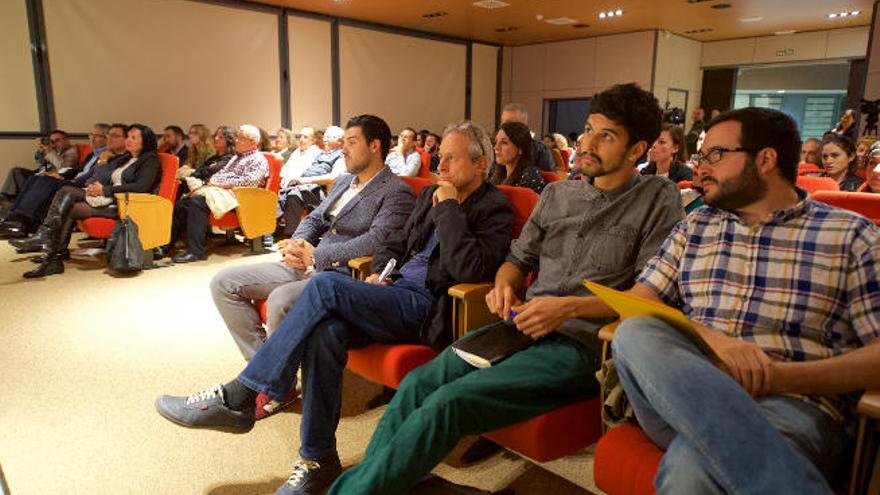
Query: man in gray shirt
pixel 604 229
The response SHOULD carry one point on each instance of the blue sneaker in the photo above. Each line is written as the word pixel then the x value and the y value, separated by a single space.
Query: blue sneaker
pixel 206 409
pixel 311 477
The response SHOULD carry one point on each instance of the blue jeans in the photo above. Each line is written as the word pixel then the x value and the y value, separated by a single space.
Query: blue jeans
pixel 717 438
pixel 332 311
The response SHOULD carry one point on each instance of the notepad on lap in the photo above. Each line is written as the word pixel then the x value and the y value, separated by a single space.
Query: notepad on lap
pixel 483 349
pixel 628 305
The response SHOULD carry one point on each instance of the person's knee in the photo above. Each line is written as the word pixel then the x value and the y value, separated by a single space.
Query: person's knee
pixel 632 337
pixel 683 470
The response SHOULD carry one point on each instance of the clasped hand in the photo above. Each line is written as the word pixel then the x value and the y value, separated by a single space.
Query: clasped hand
pixel 744 361
pixel 298 253
pixel 535 318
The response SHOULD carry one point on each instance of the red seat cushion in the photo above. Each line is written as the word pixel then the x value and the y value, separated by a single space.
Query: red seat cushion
pixel 625 462
pixel 554 434
pixel 388 364
pixel 98 227
pixel 262 307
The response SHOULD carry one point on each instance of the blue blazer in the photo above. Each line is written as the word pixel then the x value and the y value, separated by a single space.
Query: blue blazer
pixel 375 212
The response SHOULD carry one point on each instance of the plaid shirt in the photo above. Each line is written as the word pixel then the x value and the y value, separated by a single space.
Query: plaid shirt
pixel 244 170
pixel 801 286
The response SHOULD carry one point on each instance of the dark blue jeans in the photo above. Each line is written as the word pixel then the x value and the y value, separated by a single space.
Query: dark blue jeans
pixel 332 311
pixel 36 194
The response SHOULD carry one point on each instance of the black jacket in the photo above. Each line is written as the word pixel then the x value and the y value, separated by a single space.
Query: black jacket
pixel 474 238
pixel 143 176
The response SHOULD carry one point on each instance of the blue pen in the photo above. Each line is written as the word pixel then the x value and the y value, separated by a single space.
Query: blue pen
pixel 511 314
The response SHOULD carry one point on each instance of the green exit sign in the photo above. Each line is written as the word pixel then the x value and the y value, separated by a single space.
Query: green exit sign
pixel 787 52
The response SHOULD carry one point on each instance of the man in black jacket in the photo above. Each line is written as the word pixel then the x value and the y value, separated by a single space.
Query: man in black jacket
pixel 458 232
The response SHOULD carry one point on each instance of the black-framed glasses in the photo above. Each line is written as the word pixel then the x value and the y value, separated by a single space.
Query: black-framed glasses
pixel 715 155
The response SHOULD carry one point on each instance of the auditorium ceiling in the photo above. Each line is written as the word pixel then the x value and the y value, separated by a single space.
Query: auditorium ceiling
pixel 532 21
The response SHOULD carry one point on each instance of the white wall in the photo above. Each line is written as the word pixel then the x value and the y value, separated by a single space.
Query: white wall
pixel 678 67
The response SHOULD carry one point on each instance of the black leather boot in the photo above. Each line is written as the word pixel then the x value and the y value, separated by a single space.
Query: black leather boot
pixel 53 263
pixel 41 240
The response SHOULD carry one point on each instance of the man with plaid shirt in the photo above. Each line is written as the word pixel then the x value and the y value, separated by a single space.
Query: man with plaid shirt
pixel 785 290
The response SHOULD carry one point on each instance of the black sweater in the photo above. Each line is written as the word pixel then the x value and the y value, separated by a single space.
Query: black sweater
pixel 474 238
pixel 142 176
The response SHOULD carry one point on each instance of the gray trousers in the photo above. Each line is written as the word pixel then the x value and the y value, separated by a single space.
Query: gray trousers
pixel 234 289
pixel 15 180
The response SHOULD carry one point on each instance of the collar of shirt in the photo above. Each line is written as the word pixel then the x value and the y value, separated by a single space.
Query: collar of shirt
pixel 776 217
pixel 356 184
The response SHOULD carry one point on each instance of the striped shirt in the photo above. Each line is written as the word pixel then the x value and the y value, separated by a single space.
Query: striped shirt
pixel 244 170
pixel 802 285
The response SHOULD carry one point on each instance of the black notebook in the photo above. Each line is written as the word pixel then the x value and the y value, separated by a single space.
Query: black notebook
pixel 483 349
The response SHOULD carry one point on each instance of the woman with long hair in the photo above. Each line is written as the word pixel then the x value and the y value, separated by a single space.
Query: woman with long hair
pixel 667 156
pixel 514 163
pixel 140 173
pixel 838 157
pixel 200 147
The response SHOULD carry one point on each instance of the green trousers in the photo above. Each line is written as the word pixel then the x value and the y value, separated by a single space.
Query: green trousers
pixel 446 399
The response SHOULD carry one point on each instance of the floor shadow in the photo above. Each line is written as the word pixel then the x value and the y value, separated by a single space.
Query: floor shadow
pixel 255 488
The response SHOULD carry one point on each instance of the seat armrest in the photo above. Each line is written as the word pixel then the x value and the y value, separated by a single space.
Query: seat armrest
pixel 151 213
pixel 470 292
pixel 869 404
pixel 257 209
pixel 360 267
pixel 469 310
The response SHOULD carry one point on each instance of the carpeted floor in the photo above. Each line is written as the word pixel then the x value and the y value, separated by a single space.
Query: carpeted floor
pixel 84 355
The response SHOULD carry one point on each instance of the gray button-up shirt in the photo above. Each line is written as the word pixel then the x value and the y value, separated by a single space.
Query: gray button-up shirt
pixel 579 232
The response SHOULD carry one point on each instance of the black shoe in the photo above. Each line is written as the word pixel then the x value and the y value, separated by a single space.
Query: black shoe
pixel 188 258
pixel 311 477
pixel 206 409
pixel 161 252
pixel 12 230
pixel 33 244
pixel 64 255
pixel 482 449
pixel 51 266
pixel 28 250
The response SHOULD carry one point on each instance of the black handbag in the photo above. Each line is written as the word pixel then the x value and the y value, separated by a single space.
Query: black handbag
pixel 125 254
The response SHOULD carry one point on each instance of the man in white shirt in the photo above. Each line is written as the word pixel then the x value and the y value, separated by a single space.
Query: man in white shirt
pixel 403 159
pixel 301 158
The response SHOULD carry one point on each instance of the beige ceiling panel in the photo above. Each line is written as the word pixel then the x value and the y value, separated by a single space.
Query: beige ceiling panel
pixel 730 52
pixel 569 64
pixel 848 43
pixel 18 94
pixel 791 47
pixel 623 58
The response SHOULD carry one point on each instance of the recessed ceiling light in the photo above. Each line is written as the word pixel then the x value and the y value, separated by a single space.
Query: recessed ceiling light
pixel 835 15
pixel 432 15
pixel 756 18
pixel 783 33
pixel 610 13
pixel 561 21
pixel 491 4
pixel 618 12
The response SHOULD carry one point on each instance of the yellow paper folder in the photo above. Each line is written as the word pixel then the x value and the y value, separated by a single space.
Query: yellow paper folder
pixel 628 305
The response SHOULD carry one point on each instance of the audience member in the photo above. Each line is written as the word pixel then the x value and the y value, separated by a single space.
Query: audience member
pixel 514 163
pixel 319 138
pixel 403 159
pixel 301 158
pixel 432 148
pixel 558 161
pixel 200 148
pixel 458 232
pixel 863 146
pixel 141 173
pixel 247 169
pixel 839 156
pixel 569 235
pixel 224 144
pixel 667 155
pixel 811 152
pixel 516 112
pixel 30 205
pixel 698 117
pixel 53 154
pixel 872 183
pixel 362 209
pixel 173 142
pixel 266 143
pixel 284 143
pixel 563 147
pixel 305 193
pixel 789 305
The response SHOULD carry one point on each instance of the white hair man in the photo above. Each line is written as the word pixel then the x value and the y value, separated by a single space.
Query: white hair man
pixel 247 169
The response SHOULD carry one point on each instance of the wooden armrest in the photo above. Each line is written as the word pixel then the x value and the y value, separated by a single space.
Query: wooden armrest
pixel 360 267
pixel 325 183
pixel 470 292
pixel 606 333
pixel 151 213
pixel 869 404
pixel 257 209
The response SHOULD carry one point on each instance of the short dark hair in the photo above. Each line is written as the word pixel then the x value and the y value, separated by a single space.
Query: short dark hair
pixel 411 130
pixel 59 131
pixel 631 107
pixel 767 128
pixel 373 128
pixel 118 125
pixel 175 130
pixel 148 137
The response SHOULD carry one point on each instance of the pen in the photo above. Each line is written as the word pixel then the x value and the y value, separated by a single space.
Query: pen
pixel 387 270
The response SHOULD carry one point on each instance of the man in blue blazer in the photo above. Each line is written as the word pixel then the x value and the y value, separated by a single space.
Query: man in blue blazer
pixel 362 209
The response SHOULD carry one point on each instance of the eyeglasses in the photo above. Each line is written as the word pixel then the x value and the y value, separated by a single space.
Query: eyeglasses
pixel 715 155
pixel 94 135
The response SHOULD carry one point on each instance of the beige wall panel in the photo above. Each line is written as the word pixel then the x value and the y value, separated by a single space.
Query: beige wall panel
pixel 16 153
pixel 161 63
pixel 847 43
pixel 729 52
pixel 484 76
pixel 872 83
pixel 18 94
pixel 794 77
pixel 789 47
pixel 569 64
pixel 624 58
pixel 311 77
pixel 678 66
pixel 534 102
pixel 528 66
pixel 378 75
pixel 506 69
pixel 872 86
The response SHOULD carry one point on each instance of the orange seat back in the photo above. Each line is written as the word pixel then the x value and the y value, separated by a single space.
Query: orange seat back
pixel 425 168
pixel 274 182
pixel 813 184
pixel 523 201
pixel 168 184
pixel 864 203
pixel 417 183
pixel 808 168
pixel 549 177
pixel 83 150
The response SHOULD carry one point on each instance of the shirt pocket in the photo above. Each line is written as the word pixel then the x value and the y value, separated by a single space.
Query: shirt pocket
pixel 610 248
